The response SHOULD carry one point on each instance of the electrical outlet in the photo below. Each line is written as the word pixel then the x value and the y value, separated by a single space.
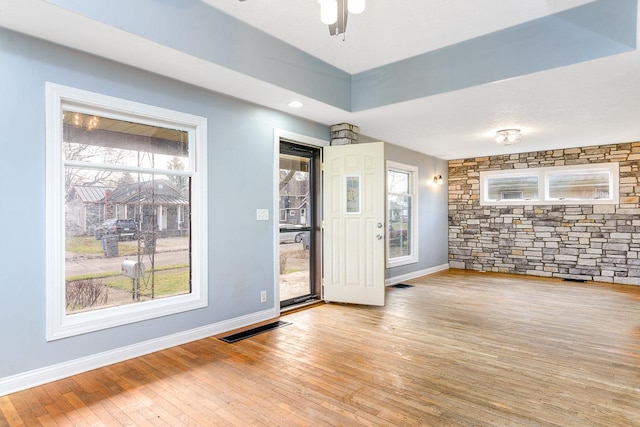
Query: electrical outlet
pixel 263 296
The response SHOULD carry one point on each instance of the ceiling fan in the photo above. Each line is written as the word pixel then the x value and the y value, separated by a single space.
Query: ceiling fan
pixel 334 13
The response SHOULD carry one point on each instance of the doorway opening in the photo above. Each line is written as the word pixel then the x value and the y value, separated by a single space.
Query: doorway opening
pixel 298 218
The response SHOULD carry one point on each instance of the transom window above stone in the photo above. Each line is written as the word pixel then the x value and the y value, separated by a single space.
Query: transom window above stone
pixel 591 184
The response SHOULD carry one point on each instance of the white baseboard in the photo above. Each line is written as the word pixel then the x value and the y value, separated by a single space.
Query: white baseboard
pixel 415 274
pixel 47 374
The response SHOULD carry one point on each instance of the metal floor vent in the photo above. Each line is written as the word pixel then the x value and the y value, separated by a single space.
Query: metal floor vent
pixel 401 286
pixel 253 332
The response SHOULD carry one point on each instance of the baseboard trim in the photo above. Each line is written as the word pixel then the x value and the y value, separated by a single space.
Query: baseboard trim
pixel 415 274
pixel 58 371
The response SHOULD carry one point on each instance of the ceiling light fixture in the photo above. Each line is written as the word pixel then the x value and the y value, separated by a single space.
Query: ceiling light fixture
pixel 334 13
pixel 356 6
pixel 295 104
pixel 508 136
pixel 328 11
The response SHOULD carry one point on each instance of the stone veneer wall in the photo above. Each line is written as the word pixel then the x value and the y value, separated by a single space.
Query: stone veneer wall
pixel 586 242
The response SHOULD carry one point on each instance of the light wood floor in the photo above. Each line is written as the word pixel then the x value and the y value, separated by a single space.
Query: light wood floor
pixel 459 348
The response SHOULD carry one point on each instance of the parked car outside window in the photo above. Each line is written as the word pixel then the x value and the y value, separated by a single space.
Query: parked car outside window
pixel 122 228
pixel 290 236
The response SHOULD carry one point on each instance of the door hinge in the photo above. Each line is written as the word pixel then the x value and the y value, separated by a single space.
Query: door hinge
pixel 322 224
pixel 322 167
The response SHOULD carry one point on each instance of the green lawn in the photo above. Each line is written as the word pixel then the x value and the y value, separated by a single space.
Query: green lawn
pixel 119 273
pixel 82 290
pixel 89 245
pixel 399 225
pixel 167 282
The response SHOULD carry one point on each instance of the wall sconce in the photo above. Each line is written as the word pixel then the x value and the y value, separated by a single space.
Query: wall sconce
pixel 438 179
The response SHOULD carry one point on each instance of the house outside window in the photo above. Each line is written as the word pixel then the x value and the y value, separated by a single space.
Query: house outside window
pixel 126 203
pixel 402 204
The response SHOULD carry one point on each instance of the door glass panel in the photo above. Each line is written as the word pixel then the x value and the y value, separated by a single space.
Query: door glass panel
pixel 296 223
pixel 294 265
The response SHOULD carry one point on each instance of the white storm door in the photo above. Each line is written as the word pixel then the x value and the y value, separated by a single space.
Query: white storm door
pixel 354 212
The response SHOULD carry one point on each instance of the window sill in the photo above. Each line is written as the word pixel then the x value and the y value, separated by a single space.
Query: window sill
pixel 547 202
pixel 398 262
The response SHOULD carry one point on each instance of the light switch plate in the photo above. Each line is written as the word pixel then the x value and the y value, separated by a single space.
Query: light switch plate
pixel 262 214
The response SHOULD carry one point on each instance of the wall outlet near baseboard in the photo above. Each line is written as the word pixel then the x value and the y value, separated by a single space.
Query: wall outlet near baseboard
pixel 263 296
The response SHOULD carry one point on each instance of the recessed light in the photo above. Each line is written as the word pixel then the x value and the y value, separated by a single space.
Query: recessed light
pixel 295 104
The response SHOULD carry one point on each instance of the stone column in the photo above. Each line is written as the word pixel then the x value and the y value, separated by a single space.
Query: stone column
pixel 344 133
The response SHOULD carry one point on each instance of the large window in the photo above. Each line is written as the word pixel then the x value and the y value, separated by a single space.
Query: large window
pixel 126 220
pixel 402 203
pixel 592 184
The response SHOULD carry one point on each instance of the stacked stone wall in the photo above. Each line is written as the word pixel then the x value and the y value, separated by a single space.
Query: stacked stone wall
pixel 584 242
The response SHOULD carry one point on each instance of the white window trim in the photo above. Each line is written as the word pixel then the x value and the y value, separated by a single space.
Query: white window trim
pixel 59 324
pixel 413 258
pixel 543 187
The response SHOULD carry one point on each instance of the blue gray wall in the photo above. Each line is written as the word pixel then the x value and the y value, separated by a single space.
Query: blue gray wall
pixel 432 210
pixel 240 180
pixel 240 168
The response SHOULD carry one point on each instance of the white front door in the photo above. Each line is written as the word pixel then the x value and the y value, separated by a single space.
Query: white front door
pixel 354 212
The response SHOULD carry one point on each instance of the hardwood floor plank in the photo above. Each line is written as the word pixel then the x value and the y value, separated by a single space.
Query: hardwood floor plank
pixel 9 413
pixel 59 418
pixel 458 349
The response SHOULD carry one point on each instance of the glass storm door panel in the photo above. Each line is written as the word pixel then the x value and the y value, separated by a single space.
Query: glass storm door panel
pixel 297 222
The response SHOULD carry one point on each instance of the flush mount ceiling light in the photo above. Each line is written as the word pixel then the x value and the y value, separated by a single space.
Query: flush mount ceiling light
pixel 508 136
pixel 334 13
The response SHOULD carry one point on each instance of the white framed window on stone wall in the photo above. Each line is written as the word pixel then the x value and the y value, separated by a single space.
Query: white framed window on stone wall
pixel 587 184
pixel 402 214
pixel 126 204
